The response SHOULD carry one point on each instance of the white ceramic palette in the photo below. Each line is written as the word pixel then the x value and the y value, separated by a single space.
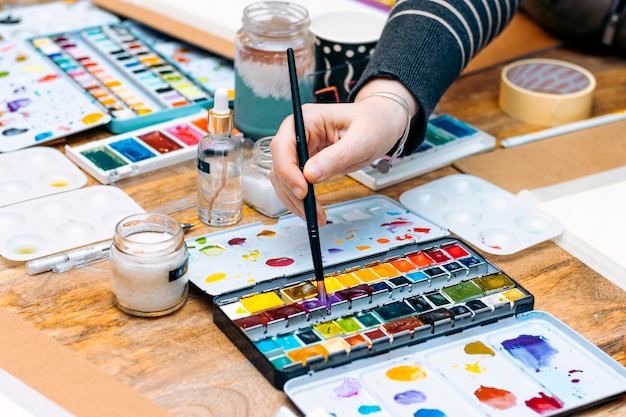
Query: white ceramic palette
pixel 481 213
pixel 59 222
pixel 36 172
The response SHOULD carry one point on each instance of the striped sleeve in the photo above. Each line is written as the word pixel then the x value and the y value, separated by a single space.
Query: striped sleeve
pixel 426 44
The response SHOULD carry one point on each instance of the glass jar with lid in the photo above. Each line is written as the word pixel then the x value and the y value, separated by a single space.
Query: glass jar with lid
pixel 262 89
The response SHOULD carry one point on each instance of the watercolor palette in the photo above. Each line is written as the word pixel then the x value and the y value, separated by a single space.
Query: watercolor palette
pixel 142 150
pixel 55 223
pixel 134 83
pixel 38 104
pixel 526 365
pixel 259 255
pixel 447 139
pixel 36 172
pixel 483 214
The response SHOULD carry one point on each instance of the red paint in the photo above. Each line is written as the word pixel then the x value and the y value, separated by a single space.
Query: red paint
pixel 544 404
pixel 405 237
pixel 50 77
pixel 497 398
pixel 279 261
pixel 421 230
pixel 186 134
pixel 456 251
pixel 160 142
pixel 237 241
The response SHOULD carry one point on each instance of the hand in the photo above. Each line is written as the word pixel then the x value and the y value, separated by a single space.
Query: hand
pixel 341 138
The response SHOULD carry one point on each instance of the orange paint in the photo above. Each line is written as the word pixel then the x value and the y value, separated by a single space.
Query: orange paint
pixel 363 247
pixel 306 353
pixel 499 399
pixel 385 270
pixel 383 241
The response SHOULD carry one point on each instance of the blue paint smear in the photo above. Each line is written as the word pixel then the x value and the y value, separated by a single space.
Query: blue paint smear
pixel 426 412
pixel 369 409
pixel 43 136
pixel 409 397
pixel 533 351
pixel 132 150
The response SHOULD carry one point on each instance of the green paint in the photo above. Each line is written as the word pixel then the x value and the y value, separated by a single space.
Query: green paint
pixel 349 324
pixel 103 158
pixel 463 291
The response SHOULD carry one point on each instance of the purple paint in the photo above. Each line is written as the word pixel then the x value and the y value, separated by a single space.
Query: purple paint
pixel 15 105
pixel 574 371
pixel 409 397
pixel 533 351
pixel 237 241
pixel 391 226
pixel 334 250
pixel 348 388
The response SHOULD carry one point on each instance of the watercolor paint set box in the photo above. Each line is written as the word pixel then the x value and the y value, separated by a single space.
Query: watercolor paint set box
pixel 137 85
pixel 447 139
pixel 128 154
pixel 400 289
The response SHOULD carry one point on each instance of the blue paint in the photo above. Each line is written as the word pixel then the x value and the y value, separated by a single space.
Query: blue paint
pixel 369 409
pixel 427 412
pixel 533 351
pixel 132 150
pixel 288 342
pixel 43 136
pixel 409 397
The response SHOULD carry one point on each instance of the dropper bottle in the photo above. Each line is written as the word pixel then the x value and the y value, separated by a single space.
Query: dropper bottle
pixel 220 164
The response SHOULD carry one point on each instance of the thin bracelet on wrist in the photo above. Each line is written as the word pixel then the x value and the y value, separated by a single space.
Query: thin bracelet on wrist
pixel 383 165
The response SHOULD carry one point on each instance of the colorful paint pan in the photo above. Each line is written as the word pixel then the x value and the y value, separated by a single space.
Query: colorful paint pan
pixel 128 154
pixel 55 223
pixel 38 104
pixel 124 74
pixel 525 365
pixel 36 172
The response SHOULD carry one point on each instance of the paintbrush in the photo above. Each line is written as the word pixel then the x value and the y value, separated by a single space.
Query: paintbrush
pixel 309 200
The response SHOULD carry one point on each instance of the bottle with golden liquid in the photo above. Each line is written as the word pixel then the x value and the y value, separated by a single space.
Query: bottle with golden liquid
pixel 262 91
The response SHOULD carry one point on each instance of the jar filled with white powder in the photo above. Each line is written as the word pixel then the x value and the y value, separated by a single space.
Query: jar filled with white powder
pixel 148 265
pixel 258 191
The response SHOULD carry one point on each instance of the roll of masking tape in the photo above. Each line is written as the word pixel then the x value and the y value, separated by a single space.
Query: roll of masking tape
pixel 546 92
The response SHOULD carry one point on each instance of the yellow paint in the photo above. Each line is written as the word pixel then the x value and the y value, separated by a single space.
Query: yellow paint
pixel 27 250
pixel 406 373
pixel 59 184
pixel 305 353
pixel 267 233
pixel 513 294
pixel 215 277
pixel 252 255
pixel 32 68
pixel 385 270
pixel 474 368
pixel 366 275
pixel 213 250
pixel 478 348
pixel 92 118
pixel 328 329
pixel 262 301
pixel 332 284
pixel 241 310
pixel 349 280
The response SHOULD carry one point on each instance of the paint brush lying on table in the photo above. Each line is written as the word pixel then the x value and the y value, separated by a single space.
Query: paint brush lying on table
pixel 309 199
pixel 76 258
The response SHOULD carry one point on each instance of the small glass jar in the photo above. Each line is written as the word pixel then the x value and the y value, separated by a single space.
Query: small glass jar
pixel 258 191
pixel 148 265
pixel 262 88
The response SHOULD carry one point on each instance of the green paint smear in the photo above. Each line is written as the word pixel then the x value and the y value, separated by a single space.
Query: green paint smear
pixel 463 291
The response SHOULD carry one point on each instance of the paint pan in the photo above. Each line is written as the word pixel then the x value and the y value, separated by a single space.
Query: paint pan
pixel 36 172
pixel 147 149
pixel 114 66
pixel 56 223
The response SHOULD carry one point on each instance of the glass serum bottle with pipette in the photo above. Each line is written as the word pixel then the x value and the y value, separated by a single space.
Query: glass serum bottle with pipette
pixel 220 165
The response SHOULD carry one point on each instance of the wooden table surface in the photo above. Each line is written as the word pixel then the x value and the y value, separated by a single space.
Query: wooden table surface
pixel 185 364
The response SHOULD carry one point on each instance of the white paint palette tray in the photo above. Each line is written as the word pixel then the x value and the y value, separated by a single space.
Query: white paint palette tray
pixel 60 222
pixel 481 213
pixel 36 172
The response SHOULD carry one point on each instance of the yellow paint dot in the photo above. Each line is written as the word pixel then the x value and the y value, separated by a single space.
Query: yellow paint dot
pixel 27 250
pixel 406 373
pixel 474 368
pixel 92 118
pixel 59 184
pixel 215 277
pixel 252 255
pixel 33 68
